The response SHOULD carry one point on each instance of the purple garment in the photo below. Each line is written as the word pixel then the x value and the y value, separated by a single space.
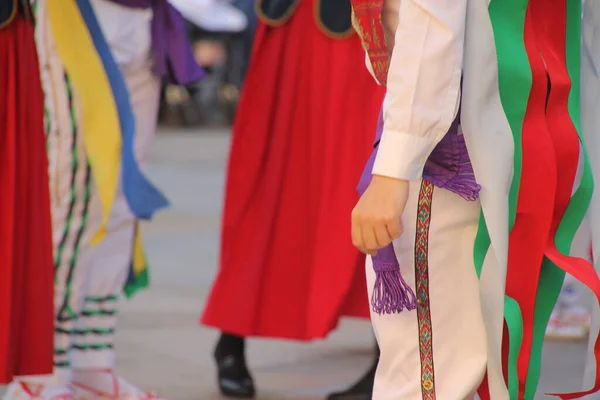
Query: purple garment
pixel 173 57
pixel 448 167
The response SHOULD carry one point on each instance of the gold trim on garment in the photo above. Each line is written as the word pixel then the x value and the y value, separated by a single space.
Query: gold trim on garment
pixel 11 17
pixel 275 22
pixel 329 33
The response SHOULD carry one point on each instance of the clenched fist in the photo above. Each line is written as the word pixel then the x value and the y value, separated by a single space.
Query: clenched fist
pixel 376 217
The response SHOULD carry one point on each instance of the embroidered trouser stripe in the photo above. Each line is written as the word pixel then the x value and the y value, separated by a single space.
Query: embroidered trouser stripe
pixel 422 285
pixel 439 350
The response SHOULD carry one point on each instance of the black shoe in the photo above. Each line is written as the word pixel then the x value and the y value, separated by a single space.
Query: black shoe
pixel 234 379
pixel 361 390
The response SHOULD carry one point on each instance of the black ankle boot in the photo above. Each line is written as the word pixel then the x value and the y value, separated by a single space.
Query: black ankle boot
pixel 233 376
pixel 363 388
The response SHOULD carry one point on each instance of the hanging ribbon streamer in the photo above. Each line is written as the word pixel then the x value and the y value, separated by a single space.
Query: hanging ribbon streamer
pixel 535 204
pixel 138 277
pixel 545 210
pixel 143 198
pixel 102 133
pixel 550 32
pixel 515 81
pixel 558 250
pixel 107 117
pixel 582 197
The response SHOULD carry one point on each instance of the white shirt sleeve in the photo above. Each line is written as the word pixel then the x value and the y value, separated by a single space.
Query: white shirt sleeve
pixel 423 86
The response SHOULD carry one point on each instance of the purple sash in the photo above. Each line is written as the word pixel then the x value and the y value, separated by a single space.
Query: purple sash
pixel 448 167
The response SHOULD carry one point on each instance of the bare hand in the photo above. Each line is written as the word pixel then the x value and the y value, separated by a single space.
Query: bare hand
pixel 376 217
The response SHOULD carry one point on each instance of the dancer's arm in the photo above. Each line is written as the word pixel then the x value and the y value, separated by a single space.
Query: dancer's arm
pixel 423 92
pixel 423 86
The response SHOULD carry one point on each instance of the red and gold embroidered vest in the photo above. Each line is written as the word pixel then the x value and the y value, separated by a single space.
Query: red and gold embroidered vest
pixel 366 19
pixel 336 18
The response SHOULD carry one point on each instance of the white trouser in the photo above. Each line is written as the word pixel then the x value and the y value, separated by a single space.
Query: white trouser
pixel 89 279
pixel 451 339
pixel 110 261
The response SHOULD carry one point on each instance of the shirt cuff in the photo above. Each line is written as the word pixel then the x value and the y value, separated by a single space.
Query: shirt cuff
pixel 403 156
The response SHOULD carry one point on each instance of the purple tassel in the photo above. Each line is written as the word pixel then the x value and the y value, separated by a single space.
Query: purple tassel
pixel 463 181
pixel 391 293
pixel 448 167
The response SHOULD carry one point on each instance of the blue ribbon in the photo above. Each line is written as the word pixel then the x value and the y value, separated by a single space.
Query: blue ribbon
pixel 143 198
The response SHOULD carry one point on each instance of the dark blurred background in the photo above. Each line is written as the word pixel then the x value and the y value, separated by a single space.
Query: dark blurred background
pixel 221 33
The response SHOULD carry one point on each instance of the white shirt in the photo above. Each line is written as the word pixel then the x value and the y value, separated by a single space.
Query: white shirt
pixel 423 84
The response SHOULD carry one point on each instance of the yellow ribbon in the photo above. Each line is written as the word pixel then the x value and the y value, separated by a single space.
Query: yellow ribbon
pixel 100 119
pixel 138 257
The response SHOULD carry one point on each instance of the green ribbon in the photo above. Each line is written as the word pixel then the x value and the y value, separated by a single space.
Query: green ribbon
pixel 514 78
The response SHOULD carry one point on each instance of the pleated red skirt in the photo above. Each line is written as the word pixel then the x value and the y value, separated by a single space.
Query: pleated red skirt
pixel 304 130
pixel 26 271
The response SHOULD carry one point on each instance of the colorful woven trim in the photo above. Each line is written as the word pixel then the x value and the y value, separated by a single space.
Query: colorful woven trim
pixel 422 288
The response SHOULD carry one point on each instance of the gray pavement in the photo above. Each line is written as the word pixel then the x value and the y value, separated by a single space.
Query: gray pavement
pixel 160 344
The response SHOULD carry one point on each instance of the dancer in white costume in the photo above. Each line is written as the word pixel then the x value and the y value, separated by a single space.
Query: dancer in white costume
pixel 437 220
pixel 399 204
pixel 90 279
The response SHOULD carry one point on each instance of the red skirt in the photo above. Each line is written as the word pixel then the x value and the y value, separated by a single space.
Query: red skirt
pixel 26 271
pixel 304 130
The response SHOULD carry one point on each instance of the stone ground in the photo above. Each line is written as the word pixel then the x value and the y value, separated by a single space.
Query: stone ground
pixel 162 347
